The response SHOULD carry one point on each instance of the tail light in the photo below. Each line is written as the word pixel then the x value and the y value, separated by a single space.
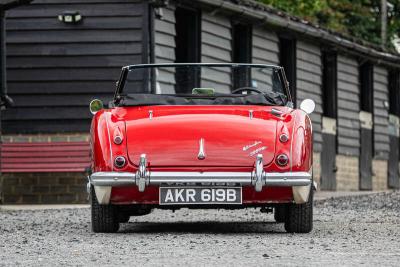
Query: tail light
pixel 119 161
pixel 118 139
pixel 282 160
pixel 283 138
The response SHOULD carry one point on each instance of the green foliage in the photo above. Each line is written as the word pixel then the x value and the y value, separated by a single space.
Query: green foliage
pixel 357 18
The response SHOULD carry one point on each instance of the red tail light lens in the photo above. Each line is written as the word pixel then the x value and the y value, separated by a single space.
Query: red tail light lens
pixel 282 160
pixel 119 161
pixel 118 139
pixel 283 138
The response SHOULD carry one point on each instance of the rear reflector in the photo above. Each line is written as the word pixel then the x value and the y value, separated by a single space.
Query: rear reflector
pixel 119 161
pixel 282 160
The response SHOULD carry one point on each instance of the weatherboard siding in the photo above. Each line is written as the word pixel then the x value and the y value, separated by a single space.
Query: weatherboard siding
pixel 164 39
pixel 381 115
pixel 348 104
pixel 54 69
pixel 265 47
pixel 265 50
pixel 216 47
pixel 309 83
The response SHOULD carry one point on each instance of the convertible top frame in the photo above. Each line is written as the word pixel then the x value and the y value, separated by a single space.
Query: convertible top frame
pixel 126 69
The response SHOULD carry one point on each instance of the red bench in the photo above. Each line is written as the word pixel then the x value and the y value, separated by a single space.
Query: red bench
pixel 45 157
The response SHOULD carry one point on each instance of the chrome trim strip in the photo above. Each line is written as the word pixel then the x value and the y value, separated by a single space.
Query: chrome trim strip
pixel 112 178
pixel 200 177
pixel 202 154
pixel 243 178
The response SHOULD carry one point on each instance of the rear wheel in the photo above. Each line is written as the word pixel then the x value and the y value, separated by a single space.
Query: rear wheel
pixel 299 217
pixel 104 217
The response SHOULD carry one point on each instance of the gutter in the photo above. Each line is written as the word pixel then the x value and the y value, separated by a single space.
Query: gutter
pixel 311 31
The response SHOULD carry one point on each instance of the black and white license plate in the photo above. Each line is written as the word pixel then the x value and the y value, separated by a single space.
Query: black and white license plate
pixel 200 195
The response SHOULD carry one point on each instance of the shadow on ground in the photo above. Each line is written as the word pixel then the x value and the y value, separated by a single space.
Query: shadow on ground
pixel 211 227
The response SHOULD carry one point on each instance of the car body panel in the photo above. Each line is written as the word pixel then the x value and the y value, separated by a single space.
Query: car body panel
pixel 171 137
pixel 295 123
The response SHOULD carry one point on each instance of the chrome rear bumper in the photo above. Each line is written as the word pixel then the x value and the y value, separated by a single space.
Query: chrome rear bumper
pixel 243 178
pixel 144 177
pixel 258 178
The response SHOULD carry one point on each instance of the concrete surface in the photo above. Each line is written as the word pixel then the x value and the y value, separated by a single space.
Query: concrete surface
pixel 352 230
pixel 319 195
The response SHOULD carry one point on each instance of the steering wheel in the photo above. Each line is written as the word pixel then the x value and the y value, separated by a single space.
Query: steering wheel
pixel 244 89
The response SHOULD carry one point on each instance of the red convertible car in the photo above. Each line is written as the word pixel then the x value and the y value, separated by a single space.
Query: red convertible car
pixel 201 136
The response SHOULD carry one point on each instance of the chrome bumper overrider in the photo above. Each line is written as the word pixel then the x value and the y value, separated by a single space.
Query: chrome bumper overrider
pixel 143 177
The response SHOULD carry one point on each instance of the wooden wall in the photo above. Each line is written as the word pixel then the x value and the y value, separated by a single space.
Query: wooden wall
pixel 309 82
pixel 216 46
pixel 265 46
pixel 55 69
pixel 381 114
pixel 164 39
pixel 348 122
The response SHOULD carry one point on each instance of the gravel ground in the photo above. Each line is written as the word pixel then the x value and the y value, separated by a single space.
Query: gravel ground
pixel 359 230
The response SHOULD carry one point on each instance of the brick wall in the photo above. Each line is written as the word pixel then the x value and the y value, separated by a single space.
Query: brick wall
pixel 380 174
pixel 347 175
pixel 43 188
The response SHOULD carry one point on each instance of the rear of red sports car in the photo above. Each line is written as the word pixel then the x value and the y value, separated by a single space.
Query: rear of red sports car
pixel 204 149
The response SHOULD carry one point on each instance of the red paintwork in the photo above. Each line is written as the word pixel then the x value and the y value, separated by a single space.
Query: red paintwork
pixel 44 157
pixel 179 129
pixel 171 142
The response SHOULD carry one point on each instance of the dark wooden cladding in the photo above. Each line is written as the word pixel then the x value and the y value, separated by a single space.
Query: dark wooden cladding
pixel 394 92
pixel 64 74
pixel 329 84
pixel 60 87
pixel 55 69
pixel 95 9
pixel 309 82
pixel 95 23
pixel 39 126
pixel 74 49
pixel 381 112
pixel 75 36
pixel 49 113
pixel 57 100
pixel 348 104
pixel 113 61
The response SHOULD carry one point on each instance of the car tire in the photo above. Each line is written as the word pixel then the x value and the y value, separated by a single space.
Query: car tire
pixel 299 217
pixel 123 218
pixel 104 217
pixel 279 214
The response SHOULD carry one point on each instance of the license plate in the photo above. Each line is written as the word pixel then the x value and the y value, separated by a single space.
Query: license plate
pixel 200 195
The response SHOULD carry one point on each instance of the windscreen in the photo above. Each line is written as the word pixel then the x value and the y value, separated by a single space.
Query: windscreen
pixel 202 81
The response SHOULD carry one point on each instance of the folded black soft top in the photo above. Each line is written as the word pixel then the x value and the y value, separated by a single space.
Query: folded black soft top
pixel 270 99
